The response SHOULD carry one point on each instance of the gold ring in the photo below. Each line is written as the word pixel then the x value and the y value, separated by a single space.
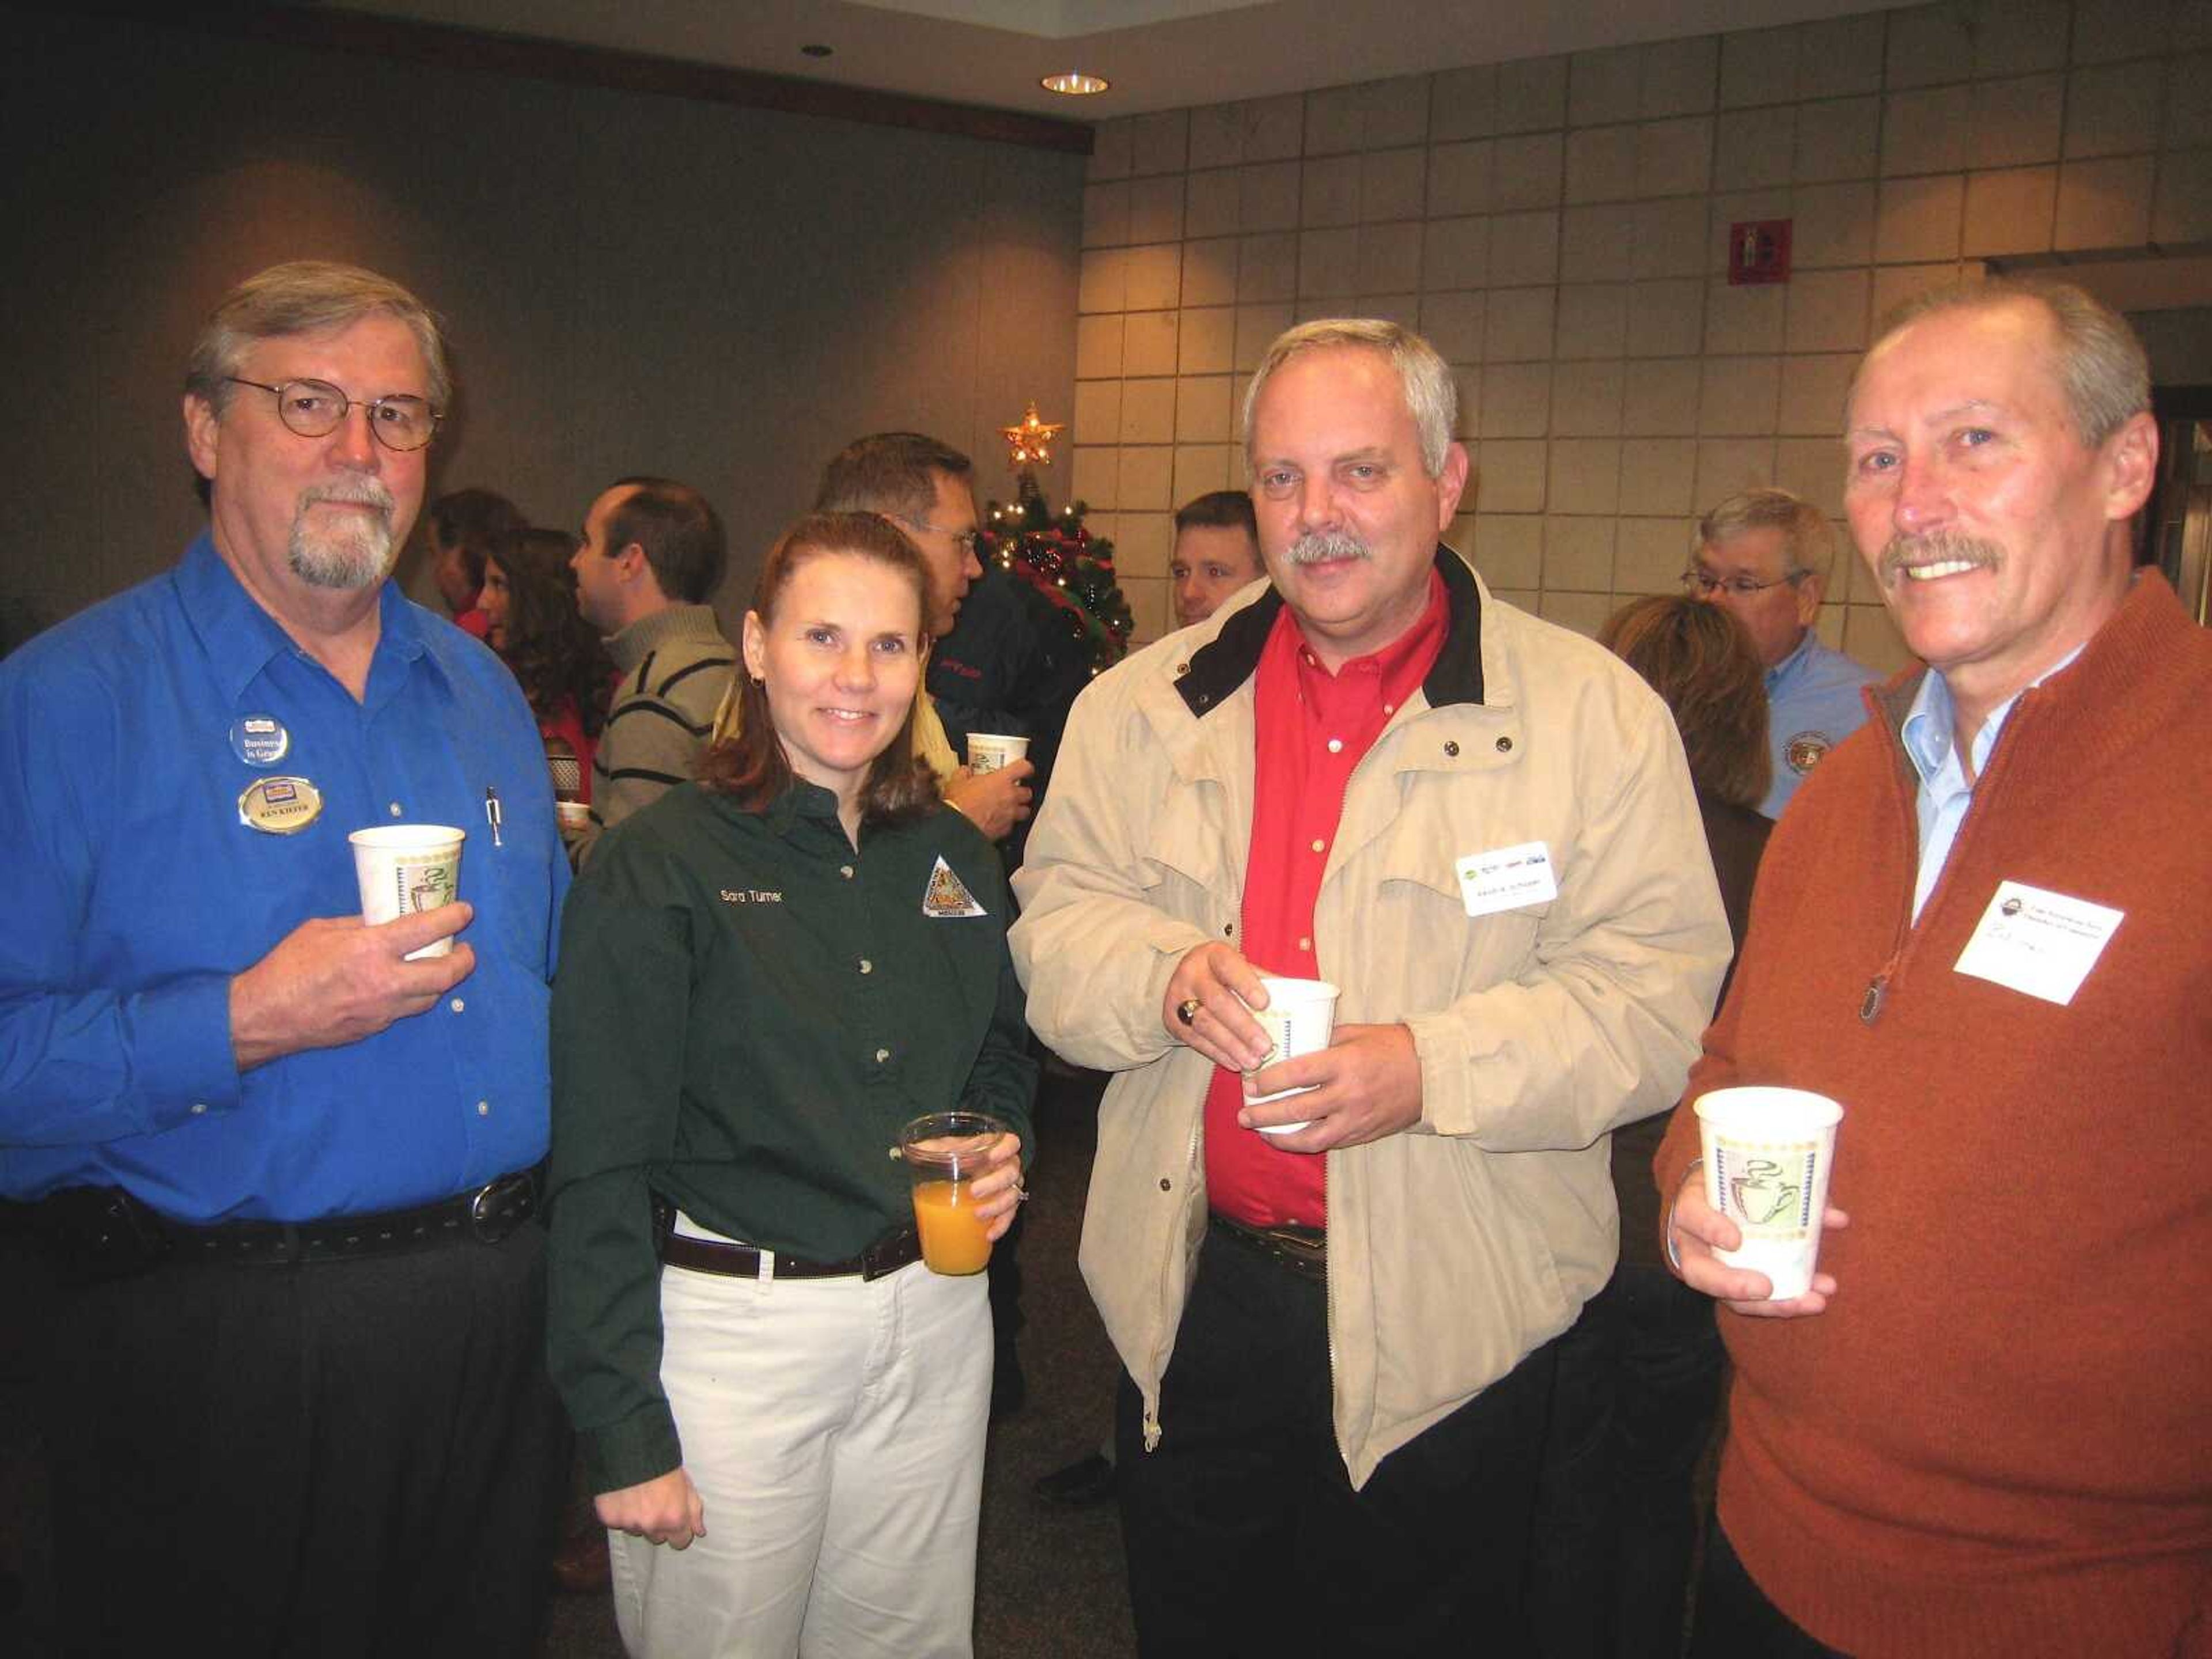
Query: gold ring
pixel 1187 1010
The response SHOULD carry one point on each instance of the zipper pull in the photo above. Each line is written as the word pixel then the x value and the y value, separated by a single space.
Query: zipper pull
pixel 1870 1003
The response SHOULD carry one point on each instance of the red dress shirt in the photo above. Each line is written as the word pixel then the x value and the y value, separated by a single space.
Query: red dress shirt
pixel 1313 728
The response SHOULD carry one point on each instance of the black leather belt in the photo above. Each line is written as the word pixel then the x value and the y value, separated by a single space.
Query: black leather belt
pixel 486 1216
pixel 1303 1250
pixel 105 1232
pixel 887 1254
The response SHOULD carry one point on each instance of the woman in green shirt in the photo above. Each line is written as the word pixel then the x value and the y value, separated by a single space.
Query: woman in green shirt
pixel 763 976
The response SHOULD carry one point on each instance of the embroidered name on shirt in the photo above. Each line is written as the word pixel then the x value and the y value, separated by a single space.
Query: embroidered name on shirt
pixel 947 896
pixel 750 895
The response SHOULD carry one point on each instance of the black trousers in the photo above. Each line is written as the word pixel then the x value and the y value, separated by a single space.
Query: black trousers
pixel 1633 1408
pixel 1244 1534
pixel 1734 1619
pixel 340 1460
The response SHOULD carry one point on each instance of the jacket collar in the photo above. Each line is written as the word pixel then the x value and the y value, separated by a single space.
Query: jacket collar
pixel 1232 655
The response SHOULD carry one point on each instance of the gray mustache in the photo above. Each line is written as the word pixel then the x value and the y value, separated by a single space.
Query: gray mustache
pixel 1936 549
pixel 359 492
pixel 1323 546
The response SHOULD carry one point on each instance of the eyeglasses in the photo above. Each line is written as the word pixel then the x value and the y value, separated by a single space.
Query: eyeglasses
pixel 968 541
pixel 1704 586
pixel 315 409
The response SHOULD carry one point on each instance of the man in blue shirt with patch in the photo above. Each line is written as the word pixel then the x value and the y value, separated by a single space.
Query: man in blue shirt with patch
pixel 1765 556
pixel 295 1391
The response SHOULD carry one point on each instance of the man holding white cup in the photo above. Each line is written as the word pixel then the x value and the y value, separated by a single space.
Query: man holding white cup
pixel 284 1160
pixel 1481 829
pixel 1981 931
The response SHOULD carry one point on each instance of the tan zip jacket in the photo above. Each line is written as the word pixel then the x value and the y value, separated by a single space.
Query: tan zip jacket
pixel 1458 1246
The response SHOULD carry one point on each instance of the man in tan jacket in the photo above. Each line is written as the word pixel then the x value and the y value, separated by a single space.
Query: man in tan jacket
pixel 1481 829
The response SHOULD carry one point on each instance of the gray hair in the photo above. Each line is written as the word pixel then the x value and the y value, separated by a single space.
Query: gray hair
pixel 1809 541
pixel 307 296
pixel 2100 365
pixel 1430 392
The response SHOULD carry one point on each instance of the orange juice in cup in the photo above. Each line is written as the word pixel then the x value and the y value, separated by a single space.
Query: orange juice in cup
pixel 944 1151
pixel 952 1240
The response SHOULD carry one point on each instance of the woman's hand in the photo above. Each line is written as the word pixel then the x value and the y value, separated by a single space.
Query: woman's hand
pixel 665 1510
pixel 998 1190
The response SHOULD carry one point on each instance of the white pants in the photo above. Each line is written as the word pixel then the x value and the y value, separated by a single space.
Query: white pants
pixel 835 1431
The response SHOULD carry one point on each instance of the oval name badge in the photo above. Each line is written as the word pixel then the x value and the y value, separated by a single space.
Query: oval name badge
pixel 280 806
pixel 260 740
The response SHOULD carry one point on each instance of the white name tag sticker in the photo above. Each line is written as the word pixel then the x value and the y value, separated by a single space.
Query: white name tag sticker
pixel 2039 942
pixel 1507 878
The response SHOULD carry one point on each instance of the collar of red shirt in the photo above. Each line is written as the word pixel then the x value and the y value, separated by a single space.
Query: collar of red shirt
pixel 1217 668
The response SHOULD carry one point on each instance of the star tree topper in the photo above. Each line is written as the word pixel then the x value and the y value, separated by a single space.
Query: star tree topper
pixel 1029 441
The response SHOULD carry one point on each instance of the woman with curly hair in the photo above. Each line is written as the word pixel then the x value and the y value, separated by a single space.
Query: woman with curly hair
pixel 530 600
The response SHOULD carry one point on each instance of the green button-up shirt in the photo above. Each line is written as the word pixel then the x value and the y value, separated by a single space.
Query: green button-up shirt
pixel 747 1011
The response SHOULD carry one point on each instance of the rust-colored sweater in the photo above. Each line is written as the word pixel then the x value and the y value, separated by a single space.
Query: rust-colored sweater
pixel 1997 1439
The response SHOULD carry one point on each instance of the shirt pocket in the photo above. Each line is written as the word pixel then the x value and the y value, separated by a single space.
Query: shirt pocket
pixel 1438 952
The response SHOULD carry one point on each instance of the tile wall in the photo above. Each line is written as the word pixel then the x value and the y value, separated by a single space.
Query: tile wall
pixel 1558 228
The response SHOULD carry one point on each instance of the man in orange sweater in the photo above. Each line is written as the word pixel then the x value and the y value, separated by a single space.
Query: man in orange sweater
pixel 1985 929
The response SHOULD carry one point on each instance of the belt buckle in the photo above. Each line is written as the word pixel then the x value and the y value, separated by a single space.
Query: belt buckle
pixel 882 1256
pixel 496 1210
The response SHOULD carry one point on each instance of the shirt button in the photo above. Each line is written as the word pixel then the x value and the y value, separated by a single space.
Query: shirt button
pixel 483 1108
pixel 1336 745
pixel 1451 750
pixel 199 1108
pixel 881 1054
pixel 867 967
pixel 457 1004
pixel 1390 708
pixel 1318 845
pixel 846 870
pixel 395 811
pixel 1305 944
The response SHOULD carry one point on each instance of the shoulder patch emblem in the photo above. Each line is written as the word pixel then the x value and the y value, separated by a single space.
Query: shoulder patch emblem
pixel 947 895
pixel 1804 750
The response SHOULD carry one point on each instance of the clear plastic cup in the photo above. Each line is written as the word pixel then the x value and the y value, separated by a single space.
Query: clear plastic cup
pixel 944 1151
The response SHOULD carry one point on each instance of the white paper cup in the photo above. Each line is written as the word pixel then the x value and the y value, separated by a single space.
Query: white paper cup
pixel 573 814
pixel 989 750
pixel 406 867
pixel 1768 1152
pixel 1299 1019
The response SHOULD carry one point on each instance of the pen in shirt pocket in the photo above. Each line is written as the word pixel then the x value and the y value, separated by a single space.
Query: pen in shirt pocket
pixel 492 814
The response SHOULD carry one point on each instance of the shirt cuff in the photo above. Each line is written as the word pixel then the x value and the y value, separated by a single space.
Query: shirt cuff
pixel 181 1036
pixel 640 1448
pixel 1667 1231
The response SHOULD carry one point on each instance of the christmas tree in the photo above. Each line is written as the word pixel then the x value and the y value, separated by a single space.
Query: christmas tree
pixel 1062 560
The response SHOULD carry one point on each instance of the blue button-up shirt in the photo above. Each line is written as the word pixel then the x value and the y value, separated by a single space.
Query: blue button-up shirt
pixel 1930 737
pixel 1813 703
pixel 137 890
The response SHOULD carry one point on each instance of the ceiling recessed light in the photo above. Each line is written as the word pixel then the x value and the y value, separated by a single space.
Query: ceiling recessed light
pixel 817 51
pixel 1075 83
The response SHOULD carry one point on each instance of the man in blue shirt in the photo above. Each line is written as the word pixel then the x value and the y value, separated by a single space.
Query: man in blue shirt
pixel 295 1393
pixel 1765 556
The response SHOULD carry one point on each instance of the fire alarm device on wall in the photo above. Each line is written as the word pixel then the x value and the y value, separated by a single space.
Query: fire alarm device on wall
pixel 1759 251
